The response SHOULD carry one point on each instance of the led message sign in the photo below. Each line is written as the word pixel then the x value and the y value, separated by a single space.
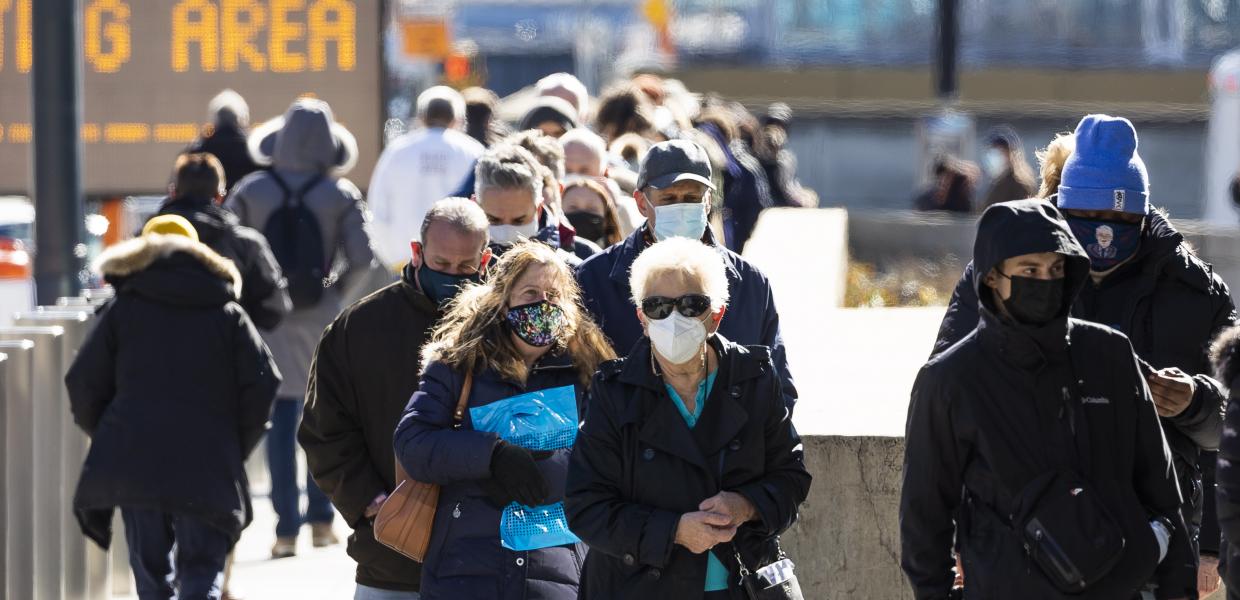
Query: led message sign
pixel 151 66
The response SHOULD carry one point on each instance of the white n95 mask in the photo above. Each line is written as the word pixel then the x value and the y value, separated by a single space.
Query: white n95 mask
pixel 677 338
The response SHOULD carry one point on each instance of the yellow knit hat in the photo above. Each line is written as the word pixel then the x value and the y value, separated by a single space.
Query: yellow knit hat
pixel 171 225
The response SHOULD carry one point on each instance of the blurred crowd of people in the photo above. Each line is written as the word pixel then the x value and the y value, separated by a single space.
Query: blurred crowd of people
pixel 566 344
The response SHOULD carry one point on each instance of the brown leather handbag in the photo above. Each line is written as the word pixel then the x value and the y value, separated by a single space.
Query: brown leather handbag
pixel 404 521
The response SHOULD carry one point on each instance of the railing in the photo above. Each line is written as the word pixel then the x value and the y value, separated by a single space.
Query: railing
pixel 44 555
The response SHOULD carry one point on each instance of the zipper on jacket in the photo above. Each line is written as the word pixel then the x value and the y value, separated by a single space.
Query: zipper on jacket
pixel 1067 407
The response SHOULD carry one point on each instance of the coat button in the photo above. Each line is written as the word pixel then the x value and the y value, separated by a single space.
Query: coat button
pixel 520 562
pixel 648 454
pixel 734 445
pixel 655 573
pixel 629 560
pixel 736 391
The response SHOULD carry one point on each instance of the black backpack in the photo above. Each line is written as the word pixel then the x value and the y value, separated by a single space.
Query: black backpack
pixel 297 242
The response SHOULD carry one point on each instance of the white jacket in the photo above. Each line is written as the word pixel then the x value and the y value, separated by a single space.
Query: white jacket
pixel 415 171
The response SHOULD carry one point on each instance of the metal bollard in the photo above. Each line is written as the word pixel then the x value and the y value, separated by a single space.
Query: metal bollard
pixel 18 475
pixel 49 504
pixel 85 572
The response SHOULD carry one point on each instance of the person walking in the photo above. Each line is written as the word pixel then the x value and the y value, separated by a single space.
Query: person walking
pixel 1033 445
pixel 418 169
pixel 1004 162
pixel 313 219
pixel 510 186
pixel 196 194
pixel 361 379
pixel 687 467
pixel 225 137
pixel 1147 282
pixel 174 387
pixel 520 342
pixel 674 195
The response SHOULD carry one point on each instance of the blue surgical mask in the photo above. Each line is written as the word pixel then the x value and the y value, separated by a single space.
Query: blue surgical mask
pixel 442 287
pixel 1108 243
pixel 687 220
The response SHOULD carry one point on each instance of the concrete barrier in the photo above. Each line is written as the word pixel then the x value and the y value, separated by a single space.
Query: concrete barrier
pixel 802 250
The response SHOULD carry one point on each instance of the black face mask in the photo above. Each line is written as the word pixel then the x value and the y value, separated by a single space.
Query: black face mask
pixel 588 225
pixel 1034 301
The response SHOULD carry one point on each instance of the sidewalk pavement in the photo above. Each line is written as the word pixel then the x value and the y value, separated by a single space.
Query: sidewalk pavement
pixel 314 574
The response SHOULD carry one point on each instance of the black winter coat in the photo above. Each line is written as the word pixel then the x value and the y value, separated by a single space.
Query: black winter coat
pixel 1170 304
pixel 264 292
pixel 637 467
pixel 465 558
pixel 1011 402
pixel 363 373
pixel 1226 356
pixel 228 144
pixel 173 385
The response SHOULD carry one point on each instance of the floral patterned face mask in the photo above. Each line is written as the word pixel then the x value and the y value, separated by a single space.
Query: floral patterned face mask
pixel 537 324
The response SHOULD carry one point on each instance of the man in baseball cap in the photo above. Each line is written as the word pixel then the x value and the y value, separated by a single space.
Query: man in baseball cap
pixel 674 188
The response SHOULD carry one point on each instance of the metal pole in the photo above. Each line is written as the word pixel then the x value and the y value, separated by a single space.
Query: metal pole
pixel 56 101
pixel 946 54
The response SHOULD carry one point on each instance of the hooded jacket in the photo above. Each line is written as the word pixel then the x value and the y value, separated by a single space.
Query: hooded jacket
pixel 1011 402
pixel 1170 304
pixel 751 318
pixel 264 293
pixel 364 371
pixel 174 387
pixel 304 145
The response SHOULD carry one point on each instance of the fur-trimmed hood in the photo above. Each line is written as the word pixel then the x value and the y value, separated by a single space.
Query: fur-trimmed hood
pixel 1225 356
pixel 152 255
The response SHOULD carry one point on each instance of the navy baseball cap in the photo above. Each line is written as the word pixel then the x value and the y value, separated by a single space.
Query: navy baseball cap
pixel 673 161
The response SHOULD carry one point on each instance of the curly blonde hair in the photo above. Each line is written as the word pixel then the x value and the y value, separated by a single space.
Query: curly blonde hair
pixel 473 335
pixel 1051 160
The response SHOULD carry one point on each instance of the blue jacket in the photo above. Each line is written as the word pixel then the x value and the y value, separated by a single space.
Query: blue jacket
pixel 465 558
pixel 751 319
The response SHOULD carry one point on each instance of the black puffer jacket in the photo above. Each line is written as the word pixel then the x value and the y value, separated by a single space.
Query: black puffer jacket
pixel 1011 402
pixel 1171 304
pixel 173 385
pixel 636 468
pixel 264 293
pixel 363 373
pixel 1226 357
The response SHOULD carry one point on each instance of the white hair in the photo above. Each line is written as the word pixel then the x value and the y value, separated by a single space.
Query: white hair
pixel 590 140
pixel 687 258
pixel 228 107
pixel 569 83
pixel 441 93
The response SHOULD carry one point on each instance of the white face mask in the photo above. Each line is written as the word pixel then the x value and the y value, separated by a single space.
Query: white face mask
pixel 994 162
pixel 677 338
pixel 511 234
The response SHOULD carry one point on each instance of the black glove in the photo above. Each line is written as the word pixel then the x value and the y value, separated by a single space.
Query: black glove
pixel 514 477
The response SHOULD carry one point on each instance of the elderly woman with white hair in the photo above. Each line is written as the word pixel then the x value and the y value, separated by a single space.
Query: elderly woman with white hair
pixel 687 467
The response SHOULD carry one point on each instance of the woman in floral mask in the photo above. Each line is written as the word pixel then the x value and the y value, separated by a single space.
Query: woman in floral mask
pixel 518 353
pixel 687 467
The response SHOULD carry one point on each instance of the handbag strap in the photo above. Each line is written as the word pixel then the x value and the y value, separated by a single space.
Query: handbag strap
pixel 458 415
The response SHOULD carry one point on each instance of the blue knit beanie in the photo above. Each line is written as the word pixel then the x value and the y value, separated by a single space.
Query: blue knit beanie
pixel 1105 172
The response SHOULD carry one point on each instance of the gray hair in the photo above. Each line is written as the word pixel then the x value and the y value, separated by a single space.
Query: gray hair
pixel 508 166
pixel 462 214
pixel 437 102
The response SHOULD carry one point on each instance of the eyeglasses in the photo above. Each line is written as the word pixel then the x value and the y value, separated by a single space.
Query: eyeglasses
pixel 689 305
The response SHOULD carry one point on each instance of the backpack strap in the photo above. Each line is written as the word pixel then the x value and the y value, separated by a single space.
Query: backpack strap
pixel 289 195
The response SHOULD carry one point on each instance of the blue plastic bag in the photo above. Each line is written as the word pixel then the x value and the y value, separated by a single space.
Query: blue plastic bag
pixel 524 528
pixel 542 420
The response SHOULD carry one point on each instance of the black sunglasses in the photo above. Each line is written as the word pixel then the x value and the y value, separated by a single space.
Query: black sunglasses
pixel 689 305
